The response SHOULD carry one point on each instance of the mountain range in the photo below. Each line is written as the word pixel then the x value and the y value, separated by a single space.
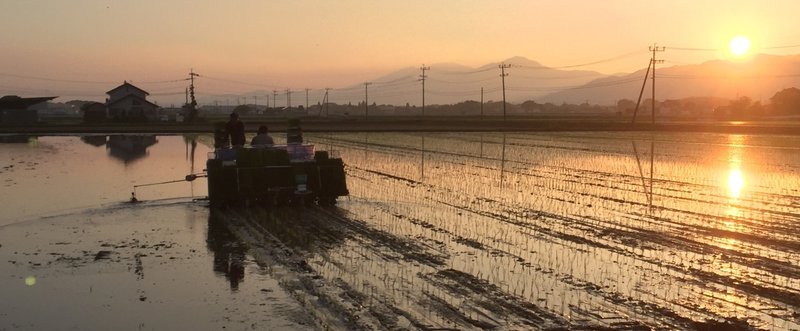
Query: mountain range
pixel 448 83
pixel 758 78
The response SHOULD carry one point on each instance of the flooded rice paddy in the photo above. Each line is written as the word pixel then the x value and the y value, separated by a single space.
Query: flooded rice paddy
pixel 510 231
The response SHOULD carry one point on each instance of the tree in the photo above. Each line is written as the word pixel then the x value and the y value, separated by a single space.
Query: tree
pixel 242 109
pixel 739 108
pixel 626 106
pixel 787 101
pixel 530 106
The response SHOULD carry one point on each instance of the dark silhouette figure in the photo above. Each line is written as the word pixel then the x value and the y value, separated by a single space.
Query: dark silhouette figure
pixel 221 135
pixel 235 130
pixel 262 138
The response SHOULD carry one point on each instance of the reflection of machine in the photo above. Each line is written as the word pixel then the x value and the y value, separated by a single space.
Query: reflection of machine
pixel 275 175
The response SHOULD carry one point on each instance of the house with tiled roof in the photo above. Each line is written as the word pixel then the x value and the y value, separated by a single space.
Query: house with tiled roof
pixel 128 102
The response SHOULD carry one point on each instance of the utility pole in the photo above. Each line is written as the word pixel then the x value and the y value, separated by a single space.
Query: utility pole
pixel 655 49
pixel 192 75
pixel 307 99
pixel 638 101
pixel 274 97
pixel 327 113
pixel 366 99
pixel 422 78
pixel 267 100
pixel 503 75
pixel 193 105
pixel 481 102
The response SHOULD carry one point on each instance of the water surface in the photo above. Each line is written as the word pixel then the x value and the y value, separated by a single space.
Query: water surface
pixel 442 230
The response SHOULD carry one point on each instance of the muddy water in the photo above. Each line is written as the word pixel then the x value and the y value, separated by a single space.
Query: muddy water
pixel 441 231
pixel 518 230
pixel 50 175
pixel 76 255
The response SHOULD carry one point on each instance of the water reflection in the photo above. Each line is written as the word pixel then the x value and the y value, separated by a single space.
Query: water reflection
pixel 735 183
pixel 503 162
pixel 191 147
pixel 16 139
pixel 229 252
pixel 129 148
pixel 735 177
pixel 422 160
pixel 95 141
pixel 735 180
pixel 647 189
pixel 566 232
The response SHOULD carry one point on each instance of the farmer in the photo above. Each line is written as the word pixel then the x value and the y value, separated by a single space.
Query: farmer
pixel 235 129
pixel 262 139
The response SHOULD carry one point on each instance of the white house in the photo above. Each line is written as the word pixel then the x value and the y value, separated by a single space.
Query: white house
pixel 128 102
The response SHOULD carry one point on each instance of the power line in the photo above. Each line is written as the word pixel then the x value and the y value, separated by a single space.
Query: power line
pixel 393 80
pixel 87 81
pixel 464 72
pixel 702 49
pixel 731 76
pixel 611 59
pixel 780 47
pixel 463 82
pixel 675 48
pixel 239 82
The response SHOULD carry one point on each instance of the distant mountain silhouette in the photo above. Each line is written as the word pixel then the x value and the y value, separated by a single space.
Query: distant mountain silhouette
pixel 758 78
pixel 449 83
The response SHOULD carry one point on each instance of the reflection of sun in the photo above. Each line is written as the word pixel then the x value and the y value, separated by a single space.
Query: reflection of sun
pixel 735 183
pixel 739 45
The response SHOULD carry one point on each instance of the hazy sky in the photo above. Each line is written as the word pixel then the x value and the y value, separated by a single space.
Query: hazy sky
pixel 335 43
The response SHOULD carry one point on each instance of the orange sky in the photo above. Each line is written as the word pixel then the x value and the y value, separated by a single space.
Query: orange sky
pixel 317 44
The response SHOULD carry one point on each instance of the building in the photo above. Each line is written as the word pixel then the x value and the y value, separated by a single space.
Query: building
pixel 93 112
pixel 16 110
pixel 129 103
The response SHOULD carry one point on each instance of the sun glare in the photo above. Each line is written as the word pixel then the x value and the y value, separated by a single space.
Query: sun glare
pixel 735 183
pixel 739 45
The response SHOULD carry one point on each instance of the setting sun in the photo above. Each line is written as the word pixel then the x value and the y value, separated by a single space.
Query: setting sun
pixel 739 45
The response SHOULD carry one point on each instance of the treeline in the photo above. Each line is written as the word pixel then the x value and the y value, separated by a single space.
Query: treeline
pixel 784 103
